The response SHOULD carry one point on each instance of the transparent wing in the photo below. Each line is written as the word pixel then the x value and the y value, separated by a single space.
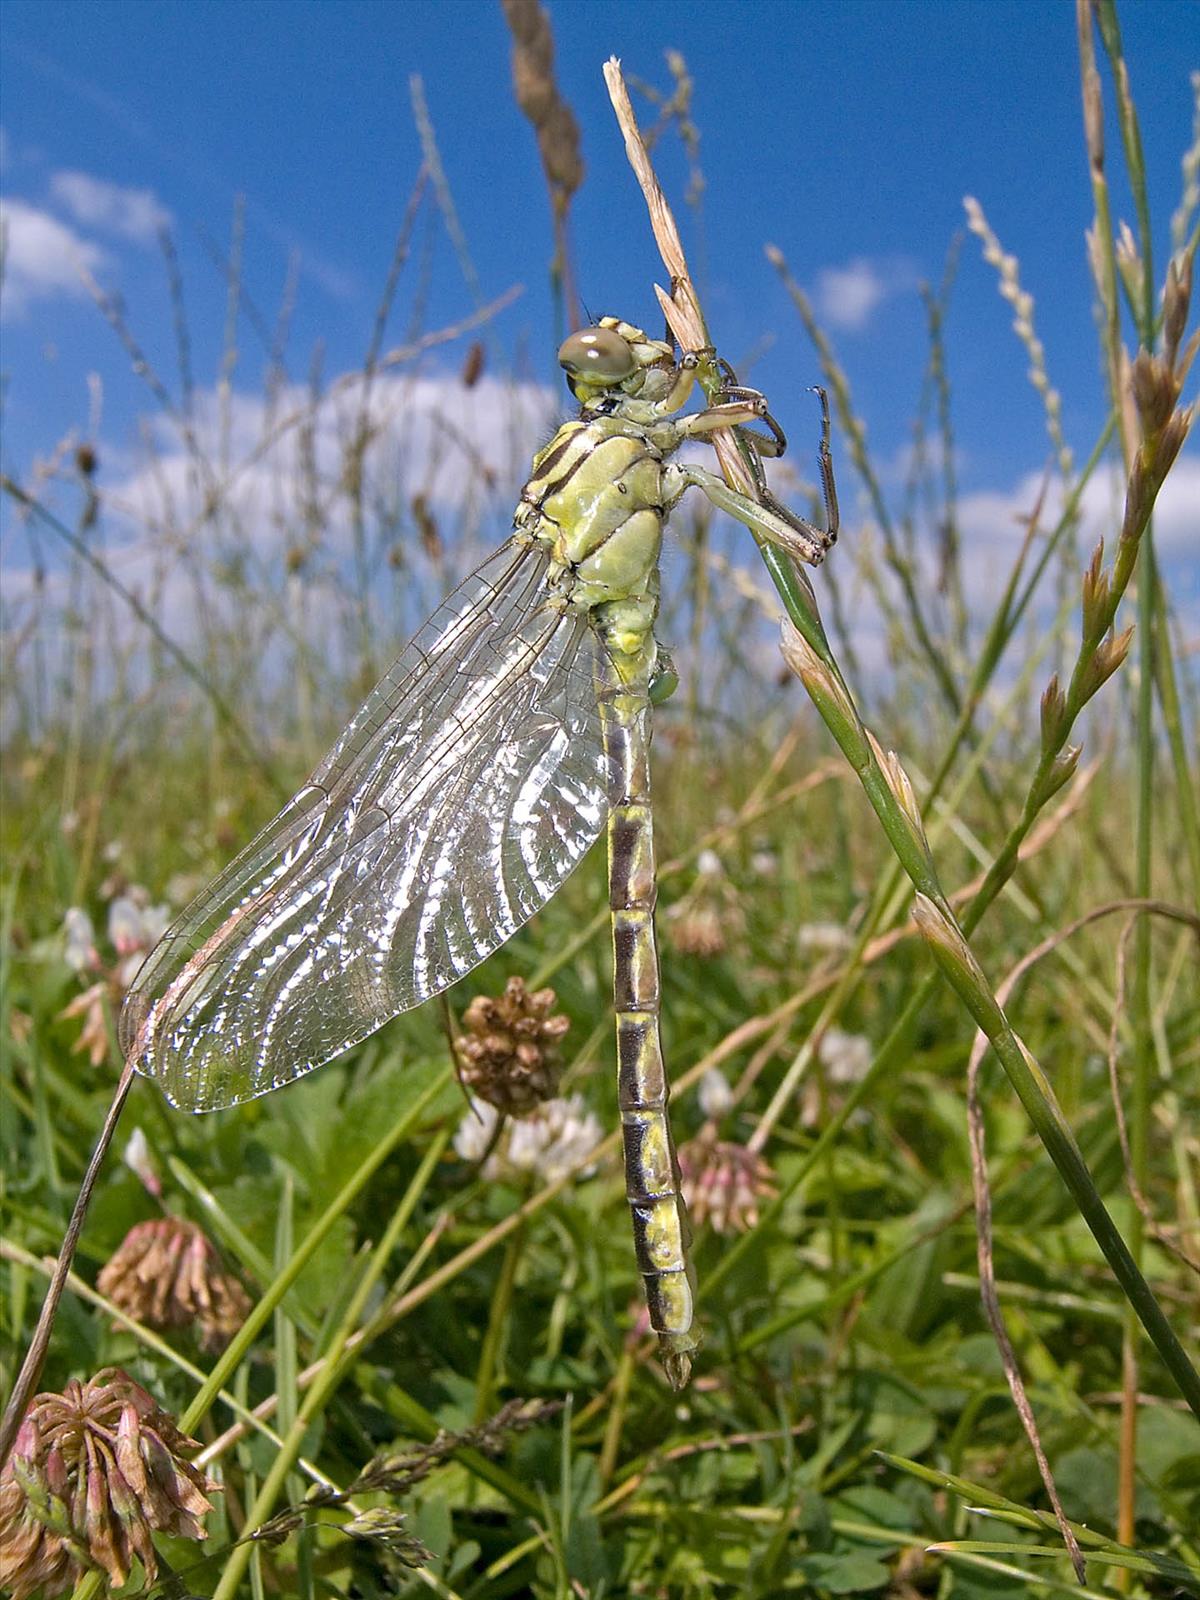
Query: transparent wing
pixel 455 803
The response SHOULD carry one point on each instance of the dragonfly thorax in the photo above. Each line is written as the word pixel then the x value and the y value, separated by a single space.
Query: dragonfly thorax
pixel 595 500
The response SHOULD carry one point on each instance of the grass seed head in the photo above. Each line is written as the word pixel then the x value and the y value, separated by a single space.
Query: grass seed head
pixel 1053 709
pixel 957 960
pixel 828 693
pixel 899 783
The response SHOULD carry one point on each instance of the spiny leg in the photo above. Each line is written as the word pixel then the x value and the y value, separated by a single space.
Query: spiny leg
pixel 774 444
pixel 756 445
pixel 765 516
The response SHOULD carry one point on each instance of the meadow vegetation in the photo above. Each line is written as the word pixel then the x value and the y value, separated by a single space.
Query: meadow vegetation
pixel 901 1237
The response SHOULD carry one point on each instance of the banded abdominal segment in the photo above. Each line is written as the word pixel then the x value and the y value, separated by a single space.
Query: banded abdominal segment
pixel 662 1234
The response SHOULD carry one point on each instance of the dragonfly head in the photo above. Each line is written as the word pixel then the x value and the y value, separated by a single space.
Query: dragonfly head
pixel 611 357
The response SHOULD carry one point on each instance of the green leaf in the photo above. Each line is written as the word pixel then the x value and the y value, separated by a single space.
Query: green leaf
pixel 846 1572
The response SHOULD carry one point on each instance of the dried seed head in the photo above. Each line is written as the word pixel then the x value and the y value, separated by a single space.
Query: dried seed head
pixel 1009 270
pixel 427 528
pixel 1093 113
pixel 95 1472
pixel 167 1274
pixel 538 97
pixel 696 929
pixel 473 364
pixel 39 1554
pixel 723 1182
pixel 93 1036
pixel 703 920
pixel 509 1054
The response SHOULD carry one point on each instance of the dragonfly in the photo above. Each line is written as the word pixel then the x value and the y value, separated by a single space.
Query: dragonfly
pixel 475 776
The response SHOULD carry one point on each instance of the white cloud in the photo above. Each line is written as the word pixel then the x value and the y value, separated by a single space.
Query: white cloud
pixel 993 521
pixel 270 538
pixel 846 296
pixel 129 213
pixel 42 257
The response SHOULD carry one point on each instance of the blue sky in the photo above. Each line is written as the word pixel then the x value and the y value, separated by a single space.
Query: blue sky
pixel 846 133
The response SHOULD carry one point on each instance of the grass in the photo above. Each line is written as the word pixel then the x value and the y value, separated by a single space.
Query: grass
pixel 933 1253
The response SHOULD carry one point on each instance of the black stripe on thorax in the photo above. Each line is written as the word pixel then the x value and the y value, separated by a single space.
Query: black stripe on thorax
pixel 572 431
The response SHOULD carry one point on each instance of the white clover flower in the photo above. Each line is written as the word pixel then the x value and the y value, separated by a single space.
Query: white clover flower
pixel 551 1141
pixel 560 1135
pixel 823 936
pixel 80 949
pixel 708 864
pixel 138 1157
pixel 715 1095
pixel 764 863
pixel 135 925
pixel 183 886
pixel 845 1056
pixel 474 1133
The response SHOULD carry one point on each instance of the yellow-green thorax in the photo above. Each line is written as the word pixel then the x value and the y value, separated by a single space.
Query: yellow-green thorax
pixel 595 499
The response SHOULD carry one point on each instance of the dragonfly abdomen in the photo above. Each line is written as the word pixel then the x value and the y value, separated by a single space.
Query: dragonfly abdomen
pixel 662 1235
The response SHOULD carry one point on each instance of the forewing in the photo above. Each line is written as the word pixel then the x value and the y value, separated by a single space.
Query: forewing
pixel 455 803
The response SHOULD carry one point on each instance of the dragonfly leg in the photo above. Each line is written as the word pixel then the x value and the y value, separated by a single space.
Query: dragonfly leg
pixel 735 413
pixel 773 444
pixel 765 515
pixel 769 519
pixel 680 392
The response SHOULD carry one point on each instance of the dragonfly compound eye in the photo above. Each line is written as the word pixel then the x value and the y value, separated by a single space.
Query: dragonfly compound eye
pixel 597 355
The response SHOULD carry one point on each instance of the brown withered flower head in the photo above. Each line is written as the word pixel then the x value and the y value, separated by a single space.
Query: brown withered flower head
pixel 723 1182
pixel 509 1055
pixel 94 1473
pixel 167 1274
pixel 702 922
